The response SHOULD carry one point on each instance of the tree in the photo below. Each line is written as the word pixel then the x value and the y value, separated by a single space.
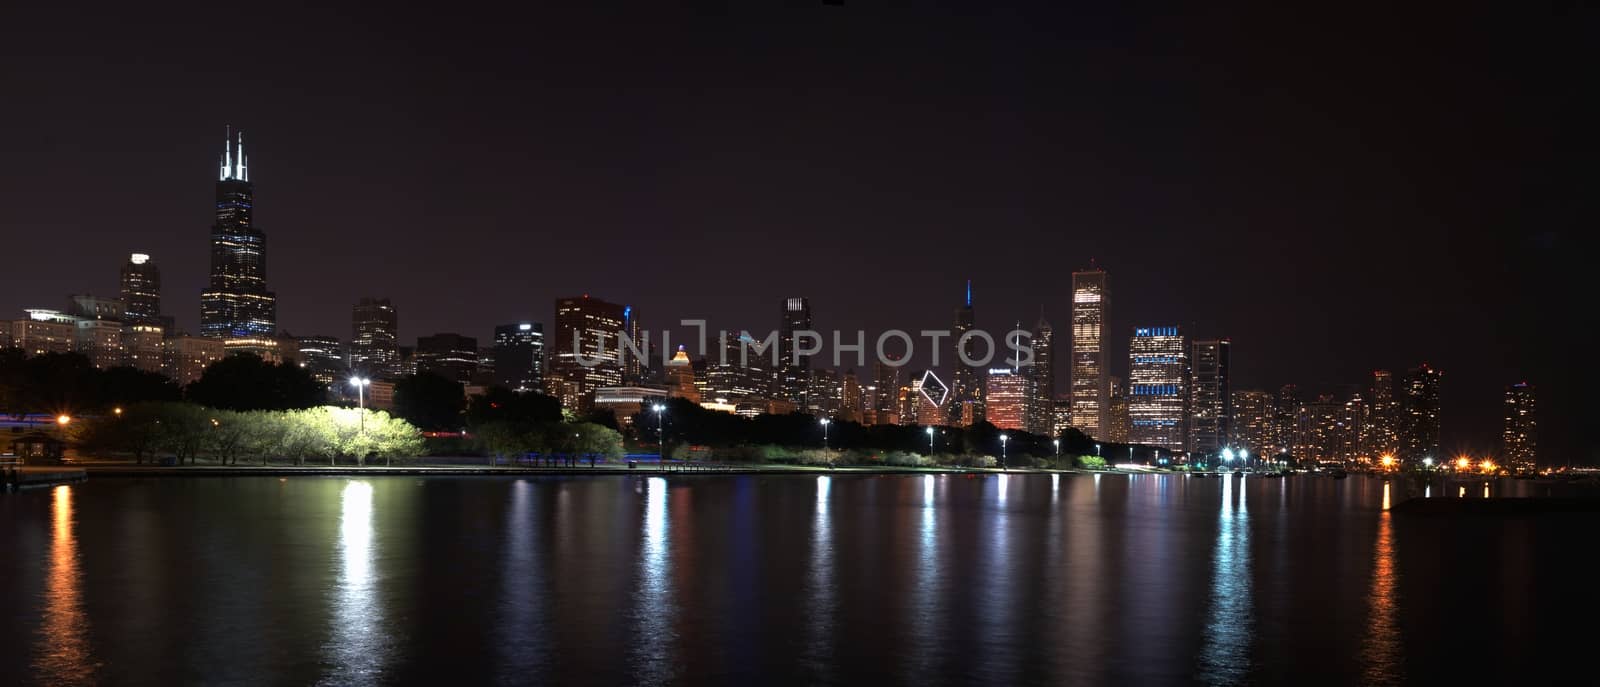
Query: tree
pixel 124 386
pixel 592 440
pixel 246 382
pixel 430 401
pixel 502 405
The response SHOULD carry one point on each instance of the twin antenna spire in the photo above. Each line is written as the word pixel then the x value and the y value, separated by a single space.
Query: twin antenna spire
pixel 231 169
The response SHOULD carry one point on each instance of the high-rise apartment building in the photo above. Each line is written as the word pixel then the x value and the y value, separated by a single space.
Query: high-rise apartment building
pixel 1006 398
pixel 519 356
pixel 1255 422
pixel 187 357
pixel 966 382
pixel 448 355
pixel 375 338
pixel 1158 380
pixel 237 304
pixel 1379 435
pixel 144 347
pixel 583 350
pixel 1090 376
pixel 886 393
pixel 792 375
pixel 141 290
pixel 1419 414
pixel 1210 398
pixel 1042 381
pixel 323 357
pixel 1519 441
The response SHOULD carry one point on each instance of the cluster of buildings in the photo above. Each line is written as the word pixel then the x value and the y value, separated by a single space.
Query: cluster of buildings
pixel 1176 395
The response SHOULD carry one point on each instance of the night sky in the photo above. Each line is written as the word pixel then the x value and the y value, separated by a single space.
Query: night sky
pixel 1336 189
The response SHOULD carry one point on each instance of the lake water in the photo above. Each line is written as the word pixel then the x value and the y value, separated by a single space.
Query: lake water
pixel 901 579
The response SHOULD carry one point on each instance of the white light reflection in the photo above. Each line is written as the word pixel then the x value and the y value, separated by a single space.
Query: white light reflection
pixel 1001 486
pixel 820 580
pixel 653 597
pixel 358 645
pixel 925 610
pixel 1055 487
pixel 1225 658
pixel 521 611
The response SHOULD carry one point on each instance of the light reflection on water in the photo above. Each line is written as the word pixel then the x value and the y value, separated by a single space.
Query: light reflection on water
pixel 522 614
pixel 357 649
pixel 924 616
pixel 820 583
pixel 1381 649
pixel 62 656
pixel 653 603
pixel 1230 626
pixel 626 580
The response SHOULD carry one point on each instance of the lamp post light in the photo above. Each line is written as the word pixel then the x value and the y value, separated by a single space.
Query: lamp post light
pixel 1057 443
pixel 361 384
pixel 1003 439
pixel 825 422
pixel 661 434
pixel 930 441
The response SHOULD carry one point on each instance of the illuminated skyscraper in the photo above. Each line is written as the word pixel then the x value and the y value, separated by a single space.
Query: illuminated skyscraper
pixel 141 290
pixel 451 356
pixel 1042 381
pixel 584 327
pixel 966 382
pixel 236 304
pixel 886 393
pixel 1419 414
pixel 1090 377
pixel 634 366
pixel 1254 422
pixel 375 338
pixel 1520 440
pixel 680 377
pixel 1117 421
pixel 1158 380
pixel 1378 433
pixel 792 376
pixel 519 356
pixel 1006 398
pixel 1210 398
pixel 323 357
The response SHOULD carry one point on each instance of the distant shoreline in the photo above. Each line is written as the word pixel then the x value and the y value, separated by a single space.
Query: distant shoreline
pixel 650 469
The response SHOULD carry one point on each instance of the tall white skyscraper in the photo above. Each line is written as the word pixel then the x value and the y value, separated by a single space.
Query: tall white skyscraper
pixel 1090 379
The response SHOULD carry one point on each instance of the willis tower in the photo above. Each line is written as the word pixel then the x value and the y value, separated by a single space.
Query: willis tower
pixel 237 305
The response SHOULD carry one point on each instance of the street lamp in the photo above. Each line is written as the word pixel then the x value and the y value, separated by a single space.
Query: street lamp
pixel 661 434
pixel 1097 451
pixel 1244 456
pixel 1057 443
pixel 930 441
pixel 361 384
pixel 1003 439
pixel 825 422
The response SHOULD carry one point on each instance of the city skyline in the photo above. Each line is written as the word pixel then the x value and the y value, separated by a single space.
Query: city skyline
pixel 673 196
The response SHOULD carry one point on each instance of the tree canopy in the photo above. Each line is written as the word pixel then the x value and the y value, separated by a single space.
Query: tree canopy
pixel 246 382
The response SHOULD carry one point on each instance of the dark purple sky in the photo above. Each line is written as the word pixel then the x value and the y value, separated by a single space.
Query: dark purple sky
pixel 1336 189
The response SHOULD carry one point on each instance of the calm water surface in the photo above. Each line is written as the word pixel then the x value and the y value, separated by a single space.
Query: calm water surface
pixel 780 580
